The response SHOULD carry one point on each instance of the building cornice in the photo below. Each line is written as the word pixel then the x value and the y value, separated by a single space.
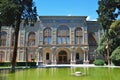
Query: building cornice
pixel 63 16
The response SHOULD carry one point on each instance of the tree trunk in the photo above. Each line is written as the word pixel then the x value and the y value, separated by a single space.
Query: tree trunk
pixel 0 30
pixel 16 43
pixel 107 47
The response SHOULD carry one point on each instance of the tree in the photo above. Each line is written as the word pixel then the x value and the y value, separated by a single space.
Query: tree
pixel 12 13
pixel 115 57
pixel 108 11
pixel 116 26
pixel 114 41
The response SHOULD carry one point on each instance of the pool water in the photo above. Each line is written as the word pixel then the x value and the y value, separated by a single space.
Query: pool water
pixel 95 73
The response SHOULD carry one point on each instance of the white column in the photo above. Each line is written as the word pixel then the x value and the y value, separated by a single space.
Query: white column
pixel 71 58
pixel 53 55
pixel 84 57
pixel 55 58
pixel 40 55
pixel 74 61
pixel 52 59
pixel 73 55
pixel 18 55
pixel 87 57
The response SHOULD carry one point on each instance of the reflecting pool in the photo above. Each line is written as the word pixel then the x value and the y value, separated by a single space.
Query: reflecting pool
pixel 95 73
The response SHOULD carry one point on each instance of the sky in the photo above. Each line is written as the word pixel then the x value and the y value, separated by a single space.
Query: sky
pixel 67 8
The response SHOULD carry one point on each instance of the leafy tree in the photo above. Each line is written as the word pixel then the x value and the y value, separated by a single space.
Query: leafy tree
pixel 114 41
pixel 115 57
pixel 116 54
pixel 108 11
pixel 12 12
pixel 116 26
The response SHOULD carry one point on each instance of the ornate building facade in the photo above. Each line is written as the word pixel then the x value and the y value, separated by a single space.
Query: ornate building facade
pixel 53 40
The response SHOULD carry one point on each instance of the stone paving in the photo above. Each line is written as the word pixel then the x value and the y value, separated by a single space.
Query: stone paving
pixel 76 65
pixel 61 65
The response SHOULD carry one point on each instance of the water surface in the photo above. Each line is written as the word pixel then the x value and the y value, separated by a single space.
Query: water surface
pixel 96 73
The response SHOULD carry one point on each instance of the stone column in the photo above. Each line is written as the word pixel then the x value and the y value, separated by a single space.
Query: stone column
pixel 73 61
pixel 86 61
pixel 71 58
pixel 52 58
pixel 40 55
pixel 54 55
pixel 84 57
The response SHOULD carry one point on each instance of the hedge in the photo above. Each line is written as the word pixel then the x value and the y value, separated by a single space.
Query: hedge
pixel 99 62
pixel 31 64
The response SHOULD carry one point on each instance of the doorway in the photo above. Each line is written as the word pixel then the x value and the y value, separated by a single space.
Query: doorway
pixel 62 57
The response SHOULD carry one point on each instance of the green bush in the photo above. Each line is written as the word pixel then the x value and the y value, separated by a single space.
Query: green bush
pixel 99 62
pixel 31 64
pixel 5 64
pixel 116 62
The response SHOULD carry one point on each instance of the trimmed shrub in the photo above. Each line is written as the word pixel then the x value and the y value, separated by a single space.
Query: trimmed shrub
pixel 116 62
pixel 5 63
pixel 31 64
pixel 99 62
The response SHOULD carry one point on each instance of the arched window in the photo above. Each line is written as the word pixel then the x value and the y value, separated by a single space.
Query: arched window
pixel 63 35
pixel 13 39
pixel 78 36
pixel 47 56
pixel 31 39
pixel 92 39
pixel 3 38
pixel 47 35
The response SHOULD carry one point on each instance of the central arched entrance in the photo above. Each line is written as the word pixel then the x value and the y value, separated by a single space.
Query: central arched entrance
pixel 62 57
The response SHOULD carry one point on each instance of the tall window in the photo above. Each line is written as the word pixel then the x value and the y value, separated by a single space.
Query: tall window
pixel 20 55
pixel 13 39
pixel 92 39
pixel 2 56
pixel 78 36
pixel 63 35
pixel 31 39
pixel 47 36
pixel 3 38
pixel 47 56
pixel 77 56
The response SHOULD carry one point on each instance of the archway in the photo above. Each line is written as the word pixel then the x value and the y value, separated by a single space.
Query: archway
pixel 62 57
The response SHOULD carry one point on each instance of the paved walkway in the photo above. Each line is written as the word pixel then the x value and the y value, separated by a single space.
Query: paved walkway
pixel 75 65
pixel 60 65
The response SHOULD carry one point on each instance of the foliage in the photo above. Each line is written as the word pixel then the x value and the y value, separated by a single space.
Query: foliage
pixel 99 62
pixel 9 10
pixel 4 63
pixel 108 11
pixel 114 42
pixel 116 62
pixel 12 12
pixel 7 6
pixel 116 26
pixel 116 54
pixel 31 64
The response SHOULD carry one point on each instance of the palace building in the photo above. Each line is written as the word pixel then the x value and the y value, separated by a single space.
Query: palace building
pixel 53 40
